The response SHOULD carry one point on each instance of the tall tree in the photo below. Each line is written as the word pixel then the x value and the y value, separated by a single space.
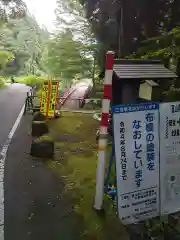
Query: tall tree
pixel 25 39
pixel 128 22
pixel 65 57
pixel 71 18
pixel 165 47
pixel 12 9
pixel 9 9
pixel 70 15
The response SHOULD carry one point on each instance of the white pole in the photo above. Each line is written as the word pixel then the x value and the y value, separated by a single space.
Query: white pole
pixel 102 145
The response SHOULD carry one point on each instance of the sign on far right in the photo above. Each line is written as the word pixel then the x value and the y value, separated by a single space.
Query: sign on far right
pixel 170 157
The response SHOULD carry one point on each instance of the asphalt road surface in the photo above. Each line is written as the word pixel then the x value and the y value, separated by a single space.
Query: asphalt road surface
pixel 12 100
pixel 35 206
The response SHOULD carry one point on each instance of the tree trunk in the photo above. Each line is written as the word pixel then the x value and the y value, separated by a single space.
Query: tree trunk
pixel 93 70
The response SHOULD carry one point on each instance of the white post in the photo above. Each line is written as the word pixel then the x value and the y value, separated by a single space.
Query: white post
pixel 98 204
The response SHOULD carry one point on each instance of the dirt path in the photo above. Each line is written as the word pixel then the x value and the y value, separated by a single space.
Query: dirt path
pixel 35 206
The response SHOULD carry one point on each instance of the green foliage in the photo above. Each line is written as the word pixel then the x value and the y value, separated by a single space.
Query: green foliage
pixel 70 15
pixel 122 25
pixel 72 21
pixel 2 82
pixel 11 9
pixel 26 41
pixel 5 58
pixel 173 94
pixel 165 47
pixel 65 57
pixel 32 80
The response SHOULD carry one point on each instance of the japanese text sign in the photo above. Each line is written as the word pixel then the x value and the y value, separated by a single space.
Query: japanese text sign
pixel 170 157
pixel 53 97
pixel 44 98
pixel 48 98
pixel 136 142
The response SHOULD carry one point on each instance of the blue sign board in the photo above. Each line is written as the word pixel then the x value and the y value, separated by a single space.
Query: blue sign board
pixel 136 140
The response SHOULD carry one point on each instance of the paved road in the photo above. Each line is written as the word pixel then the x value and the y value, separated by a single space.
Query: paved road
pixel 12 99
pixel 34 203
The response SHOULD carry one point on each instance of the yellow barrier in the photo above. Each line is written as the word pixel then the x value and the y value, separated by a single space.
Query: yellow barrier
pixel 48 98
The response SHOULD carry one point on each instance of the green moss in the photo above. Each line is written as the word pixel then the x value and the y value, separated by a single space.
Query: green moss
pixel 43 138
pixel 76 165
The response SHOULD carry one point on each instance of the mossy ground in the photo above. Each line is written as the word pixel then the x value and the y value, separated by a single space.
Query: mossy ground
pixel 75 163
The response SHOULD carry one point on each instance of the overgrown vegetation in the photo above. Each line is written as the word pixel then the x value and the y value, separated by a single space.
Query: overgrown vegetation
pixel 32 80
pixel 65 57
pixel 75 163
pixel 137 29
pixel 10 9
pixel 28 49
pixel 146 29
pixel 2 82
pixel 73 44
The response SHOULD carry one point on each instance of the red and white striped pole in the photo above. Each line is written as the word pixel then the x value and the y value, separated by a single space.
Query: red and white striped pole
pixel 98 204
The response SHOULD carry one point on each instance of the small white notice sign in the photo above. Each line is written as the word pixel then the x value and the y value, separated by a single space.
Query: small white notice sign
pixel 170 157
pixel 136 140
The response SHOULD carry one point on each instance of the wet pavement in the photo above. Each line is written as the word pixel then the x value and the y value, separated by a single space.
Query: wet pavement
pixel 35 204
pixel 12 99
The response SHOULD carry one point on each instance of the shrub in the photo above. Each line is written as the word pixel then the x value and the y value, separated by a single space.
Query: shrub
pixel 2 82
pixel 173 94
pixel 32 80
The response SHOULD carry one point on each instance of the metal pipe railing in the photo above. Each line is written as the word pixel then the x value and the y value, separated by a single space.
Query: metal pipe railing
pixel 60 100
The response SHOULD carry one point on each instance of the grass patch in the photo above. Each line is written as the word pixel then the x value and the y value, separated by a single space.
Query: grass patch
pixel 92 106
pixel 75 163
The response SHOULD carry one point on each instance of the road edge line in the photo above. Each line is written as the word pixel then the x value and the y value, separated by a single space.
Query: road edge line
pixel 3 154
